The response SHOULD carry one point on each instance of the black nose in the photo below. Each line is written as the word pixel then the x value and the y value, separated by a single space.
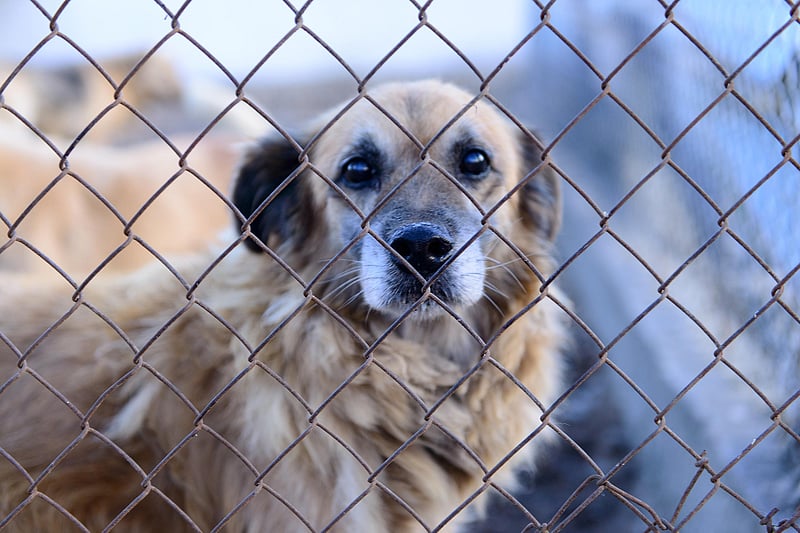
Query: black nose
pixel 425 246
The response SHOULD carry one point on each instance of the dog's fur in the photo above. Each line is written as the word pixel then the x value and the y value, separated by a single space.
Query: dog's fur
pixel 336 391
pixel 62 101
pixel 76 231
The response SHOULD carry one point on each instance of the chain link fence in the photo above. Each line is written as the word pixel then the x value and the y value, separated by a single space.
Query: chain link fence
pixel 674 130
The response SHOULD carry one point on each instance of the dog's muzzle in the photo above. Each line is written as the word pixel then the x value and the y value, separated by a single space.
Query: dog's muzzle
pixel 420 257
pixel 426 247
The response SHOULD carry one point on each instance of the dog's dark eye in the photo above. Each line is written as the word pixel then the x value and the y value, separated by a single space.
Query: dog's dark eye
pixel 474 162
pixel 357 172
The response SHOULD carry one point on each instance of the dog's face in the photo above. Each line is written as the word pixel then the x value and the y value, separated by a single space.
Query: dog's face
pixel 415 194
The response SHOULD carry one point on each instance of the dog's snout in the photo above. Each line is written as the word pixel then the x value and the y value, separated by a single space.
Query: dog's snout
pixel 425 246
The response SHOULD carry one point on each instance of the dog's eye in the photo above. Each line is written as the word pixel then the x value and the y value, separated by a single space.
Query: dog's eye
pixel 357 172
pixel 474 162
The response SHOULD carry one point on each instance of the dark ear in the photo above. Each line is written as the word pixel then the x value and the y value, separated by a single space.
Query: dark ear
pixel 540 201
pixel 280 216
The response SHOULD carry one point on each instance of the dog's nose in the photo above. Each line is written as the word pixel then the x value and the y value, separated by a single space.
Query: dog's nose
pixel 425 246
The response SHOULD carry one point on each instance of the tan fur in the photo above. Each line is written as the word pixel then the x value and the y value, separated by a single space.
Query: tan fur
pixel 268 404
pixel 63 101
pixel 75 230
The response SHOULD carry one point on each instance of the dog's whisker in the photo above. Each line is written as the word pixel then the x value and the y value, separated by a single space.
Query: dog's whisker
pixel 348 273
pixel 343 259
pixel 505 268
pixel 492 287
pixel 515 259
pixel 493 303
pixel 353 298
pixel 342 288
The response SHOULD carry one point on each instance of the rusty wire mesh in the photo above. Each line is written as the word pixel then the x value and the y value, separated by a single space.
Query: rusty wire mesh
pixel 593 482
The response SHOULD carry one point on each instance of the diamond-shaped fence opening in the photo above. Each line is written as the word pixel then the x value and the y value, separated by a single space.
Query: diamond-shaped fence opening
pixel 369 329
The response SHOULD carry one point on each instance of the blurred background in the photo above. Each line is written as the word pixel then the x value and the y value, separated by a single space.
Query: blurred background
pixel 675 127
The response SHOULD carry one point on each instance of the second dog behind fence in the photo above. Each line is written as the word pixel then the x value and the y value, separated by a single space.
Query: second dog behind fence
pixel 379 347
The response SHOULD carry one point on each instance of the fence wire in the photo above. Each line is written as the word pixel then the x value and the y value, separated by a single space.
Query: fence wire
pixel 603 462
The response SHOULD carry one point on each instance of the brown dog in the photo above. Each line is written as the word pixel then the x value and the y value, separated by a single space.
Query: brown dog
pixel 78 232
pixel 372 368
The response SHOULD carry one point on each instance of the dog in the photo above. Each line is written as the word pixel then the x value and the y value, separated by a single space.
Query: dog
pixel 78 232
pixel 61 101
pixel 376 349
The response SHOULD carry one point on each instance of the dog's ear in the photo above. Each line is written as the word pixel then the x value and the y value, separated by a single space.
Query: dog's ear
pixel 264 171
pixel 540 201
